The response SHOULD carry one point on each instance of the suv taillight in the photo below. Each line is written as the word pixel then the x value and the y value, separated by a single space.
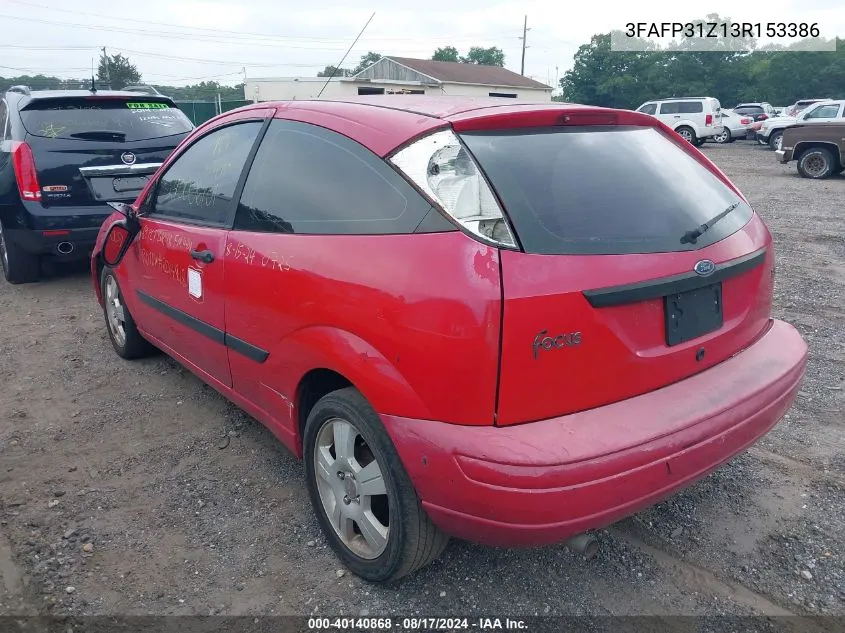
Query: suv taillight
pixel 25 174
pixel 444 170
pixel 708 119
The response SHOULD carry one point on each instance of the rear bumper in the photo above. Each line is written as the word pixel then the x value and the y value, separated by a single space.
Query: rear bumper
pixel 760 137
pixel 40 230
pixel 708 132
pixel 80 241
pixel 543 482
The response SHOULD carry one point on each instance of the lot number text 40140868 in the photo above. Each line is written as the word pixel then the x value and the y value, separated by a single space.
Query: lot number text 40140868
pixel 702 30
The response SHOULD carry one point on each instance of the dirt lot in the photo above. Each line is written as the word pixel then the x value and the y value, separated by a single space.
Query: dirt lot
pixel 131 488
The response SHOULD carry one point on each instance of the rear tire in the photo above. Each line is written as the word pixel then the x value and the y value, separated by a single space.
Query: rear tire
pixel 687 133
pixel 776 140
pixel 123 334
pixel 19 266
pixel 345 440
pixel 816 163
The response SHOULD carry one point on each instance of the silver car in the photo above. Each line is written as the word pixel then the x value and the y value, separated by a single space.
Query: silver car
pixel 734 126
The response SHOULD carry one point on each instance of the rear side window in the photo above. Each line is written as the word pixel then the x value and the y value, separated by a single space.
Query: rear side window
pixel 690 107
pixel 649 108
pixel 603 190
pixel 92 118
pixel 306 179
pixel 200 184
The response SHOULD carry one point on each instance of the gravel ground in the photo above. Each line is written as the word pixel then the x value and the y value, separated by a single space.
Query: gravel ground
pixel 132 488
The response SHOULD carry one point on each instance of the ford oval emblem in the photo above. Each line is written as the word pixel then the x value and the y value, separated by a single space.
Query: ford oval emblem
pixel 704 267
pixel 128 158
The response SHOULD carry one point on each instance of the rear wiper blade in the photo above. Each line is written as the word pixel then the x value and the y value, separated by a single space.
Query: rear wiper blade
pixel 99 134
pixel 691 236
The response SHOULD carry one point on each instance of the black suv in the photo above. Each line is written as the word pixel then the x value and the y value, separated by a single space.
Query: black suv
pixel 64 155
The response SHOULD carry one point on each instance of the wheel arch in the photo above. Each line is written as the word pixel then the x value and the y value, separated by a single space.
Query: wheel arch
pixel 332 358
pixel 804 146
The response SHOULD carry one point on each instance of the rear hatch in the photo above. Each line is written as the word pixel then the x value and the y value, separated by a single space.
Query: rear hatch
pixel 611 294
pixel 95 149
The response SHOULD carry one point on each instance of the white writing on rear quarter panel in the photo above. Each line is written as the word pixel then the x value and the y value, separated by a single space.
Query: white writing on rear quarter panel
pixel 272 260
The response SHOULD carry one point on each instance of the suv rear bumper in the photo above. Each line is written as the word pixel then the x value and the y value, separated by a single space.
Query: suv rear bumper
pixel 542 482
pixel 56 243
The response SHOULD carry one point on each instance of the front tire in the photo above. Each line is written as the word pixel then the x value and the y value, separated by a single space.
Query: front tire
pixel 776 140
pixel 724 137
pixel 816 163
pixel 123 333
pixel 19 266
pixel 364 500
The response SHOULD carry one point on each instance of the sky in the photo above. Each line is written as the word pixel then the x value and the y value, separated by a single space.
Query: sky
pixel 179 42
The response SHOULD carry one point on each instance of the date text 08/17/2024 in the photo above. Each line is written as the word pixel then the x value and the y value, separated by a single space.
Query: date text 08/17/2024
pixel 416 624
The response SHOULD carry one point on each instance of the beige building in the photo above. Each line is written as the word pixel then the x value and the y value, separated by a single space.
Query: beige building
pixel 403 75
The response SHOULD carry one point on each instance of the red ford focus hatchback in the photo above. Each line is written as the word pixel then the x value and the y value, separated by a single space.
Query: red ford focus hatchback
pixel 505 322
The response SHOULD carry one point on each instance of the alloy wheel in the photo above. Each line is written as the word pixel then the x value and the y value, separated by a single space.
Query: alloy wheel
pixel 722 137
pixel 686 135
pixel 115 311
pixel 352 488
pixel 779 142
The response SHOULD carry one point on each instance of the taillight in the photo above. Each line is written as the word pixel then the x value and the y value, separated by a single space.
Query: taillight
pixel 443 168
pixel 24 165
pixel 708 119
pixel 744 121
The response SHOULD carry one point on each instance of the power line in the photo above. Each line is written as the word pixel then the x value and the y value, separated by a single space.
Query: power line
pixel 206 34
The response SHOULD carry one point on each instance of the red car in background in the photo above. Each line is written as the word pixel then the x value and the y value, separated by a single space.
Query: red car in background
pixel 509 323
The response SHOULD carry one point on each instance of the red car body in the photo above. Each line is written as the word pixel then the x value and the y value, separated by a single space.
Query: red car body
pixel 530 396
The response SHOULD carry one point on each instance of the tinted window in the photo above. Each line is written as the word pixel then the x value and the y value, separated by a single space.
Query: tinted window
pixel 599 190
pixel 649 108
pixel 91 118
pixel 752 110
pixel 306 179
pixel 823 112
pixel 201 183
pixel 670 107
pixel 4 125
pixel 687 107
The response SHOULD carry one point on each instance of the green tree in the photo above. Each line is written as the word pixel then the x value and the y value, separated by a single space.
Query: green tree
pixel 446 54
pixel 492 56
pixel 366 60
pixel 117 72
pixel 334 71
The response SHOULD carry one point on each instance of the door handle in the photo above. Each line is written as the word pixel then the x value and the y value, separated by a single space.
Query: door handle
pixel 204 256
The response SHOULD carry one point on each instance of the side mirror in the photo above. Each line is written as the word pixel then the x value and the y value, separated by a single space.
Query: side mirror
pixel 119 239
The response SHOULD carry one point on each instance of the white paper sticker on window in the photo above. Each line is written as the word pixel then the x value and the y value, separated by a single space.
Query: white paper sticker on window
pixel 194 283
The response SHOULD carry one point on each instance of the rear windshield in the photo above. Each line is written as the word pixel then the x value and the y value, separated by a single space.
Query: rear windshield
pixel 105 119
pixel 603 190
pixel 749 110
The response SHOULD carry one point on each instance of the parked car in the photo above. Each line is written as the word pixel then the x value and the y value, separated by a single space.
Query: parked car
pixel 802 104
pixel 64 155
pixel 144 89
pixel 819 148
pixel 695 119
pixel 772 130
pixel 734 126
pixel 760 111
pixel 347 274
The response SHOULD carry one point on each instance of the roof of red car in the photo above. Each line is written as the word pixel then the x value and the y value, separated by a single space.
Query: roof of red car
pixel 384 122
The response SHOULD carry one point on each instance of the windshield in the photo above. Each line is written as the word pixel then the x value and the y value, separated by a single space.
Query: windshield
pixel 107 118
pixel 603 190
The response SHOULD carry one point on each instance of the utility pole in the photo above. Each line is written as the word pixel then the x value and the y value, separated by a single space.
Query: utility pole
pixel 106 63
pixel 525 30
